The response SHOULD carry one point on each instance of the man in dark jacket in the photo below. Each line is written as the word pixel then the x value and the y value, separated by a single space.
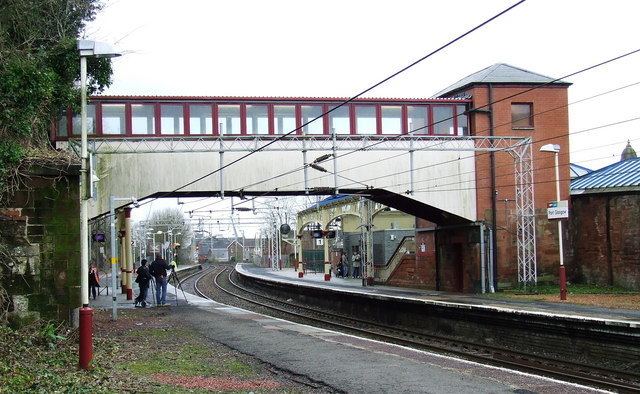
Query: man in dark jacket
pixel 142 280
pixel 159 269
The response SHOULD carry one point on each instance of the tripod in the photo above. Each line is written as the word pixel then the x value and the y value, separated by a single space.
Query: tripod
pixel 176 284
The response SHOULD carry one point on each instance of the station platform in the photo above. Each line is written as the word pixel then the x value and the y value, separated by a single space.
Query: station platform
pixel 560 310
pixel 174 296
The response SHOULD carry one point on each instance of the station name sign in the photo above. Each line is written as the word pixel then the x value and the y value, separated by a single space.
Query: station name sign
pixel 558 209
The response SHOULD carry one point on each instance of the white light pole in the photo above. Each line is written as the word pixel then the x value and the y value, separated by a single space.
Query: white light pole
pixel 555 149
pixel 86 48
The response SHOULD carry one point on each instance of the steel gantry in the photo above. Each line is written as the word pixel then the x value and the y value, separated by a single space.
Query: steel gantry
pixel 340 145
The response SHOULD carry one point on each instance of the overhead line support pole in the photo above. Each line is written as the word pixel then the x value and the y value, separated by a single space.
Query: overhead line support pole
pixel 305 163
pixel 221 165
pixel 335 163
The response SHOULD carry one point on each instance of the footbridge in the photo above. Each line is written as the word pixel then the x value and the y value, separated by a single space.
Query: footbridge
pixel 412 155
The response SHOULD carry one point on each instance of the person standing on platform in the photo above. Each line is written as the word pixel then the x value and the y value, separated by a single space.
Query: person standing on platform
pixel 158 269
pixel 142 279
pixel 345 266
pixel 94 280
pixel 356 264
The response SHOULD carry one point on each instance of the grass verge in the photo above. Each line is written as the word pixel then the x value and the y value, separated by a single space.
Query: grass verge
pixel 140 352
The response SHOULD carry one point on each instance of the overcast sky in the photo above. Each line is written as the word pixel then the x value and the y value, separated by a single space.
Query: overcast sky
pixel 338 48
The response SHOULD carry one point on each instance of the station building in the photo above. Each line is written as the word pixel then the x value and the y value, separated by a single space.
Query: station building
pixel 500 100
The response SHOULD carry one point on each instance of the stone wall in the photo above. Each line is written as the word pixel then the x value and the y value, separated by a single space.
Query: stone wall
pixel 605 234
pixel 40 227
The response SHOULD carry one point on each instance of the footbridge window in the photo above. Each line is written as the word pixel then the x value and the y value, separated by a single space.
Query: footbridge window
pixel 391 118
pixel 257 119
pixel 461 120
pixel 171 119
pixel 310 112
pixel 143 119
pixel 339 120
pixel 200 119
pixel 76 125
pixel 443 120
pixel 284 118
pixel 62 124
pixel 229 119
pixel 113 119
pixel 418 119
pixel 366 119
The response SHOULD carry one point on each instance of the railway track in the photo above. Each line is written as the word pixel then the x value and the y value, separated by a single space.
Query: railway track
pixel 601 378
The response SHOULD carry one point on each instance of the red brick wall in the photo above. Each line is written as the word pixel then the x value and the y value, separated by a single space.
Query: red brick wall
pixel 451 258
pixel 606 249
pixel 548 128
pixel 425 261
pixel 409 273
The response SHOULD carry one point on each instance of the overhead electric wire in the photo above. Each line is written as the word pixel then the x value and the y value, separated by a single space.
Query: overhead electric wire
pixel 442 142
pixel 419 168
pixel 511 164
pixel 451 42
pixel 537 141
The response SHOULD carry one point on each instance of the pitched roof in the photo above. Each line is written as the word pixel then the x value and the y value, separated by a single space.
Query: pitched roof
pixel 620 176
pixel 500 73
pixel 577 170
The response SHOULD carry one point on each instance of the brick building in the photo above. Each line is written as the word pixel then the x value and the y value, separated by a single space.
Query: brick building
pixel 505 101
pixel 605 224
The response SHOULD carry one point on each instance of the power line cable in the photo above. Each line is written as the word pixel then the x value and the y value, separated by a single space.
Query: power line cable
pixel 537 141
pixel 448 161
pixel 451 42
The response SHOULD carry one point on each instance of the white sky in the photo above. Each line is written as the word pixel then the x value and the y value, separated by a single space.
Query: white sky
pixel 338 48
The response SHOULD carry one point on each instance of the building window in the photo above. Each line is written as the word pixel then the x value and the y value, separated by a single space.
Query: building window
pixel 113 119
pixel 366 119
pixel 91 124
pixel 443 120
pixel 200 119
pixel 257 119
pixel 418 119
pixel 462 120
pixel 229 119
pixel 284 118
pixel 143 119
pixel 521 115
pixel 171 119
pixel 310 112
pixel 339 122
pixel 391 119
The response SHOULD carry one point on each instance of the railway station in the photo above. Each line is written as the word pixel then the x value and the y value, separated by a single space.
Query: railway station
pixel 460 163
pixel 240 215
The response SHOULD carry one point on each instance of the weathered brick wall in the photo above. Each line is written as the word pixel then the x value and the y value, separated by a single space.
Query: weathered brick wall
pixel 40 226
pixel 450 260
pixel 409 273
pixel 550 126
pixel 605 235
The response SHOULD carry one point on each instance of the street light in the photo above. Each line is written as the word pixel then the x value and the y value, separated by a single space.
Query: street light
pixel 555 149
pixel 86 49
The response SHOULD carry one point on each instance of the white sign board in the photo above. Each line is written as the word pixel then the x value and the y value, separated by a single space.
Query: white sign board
pixel 558 209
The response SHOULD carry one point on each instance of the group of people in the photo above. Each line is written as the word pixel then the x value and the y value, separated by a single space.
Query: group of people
pixel 158 271
pixel 343 266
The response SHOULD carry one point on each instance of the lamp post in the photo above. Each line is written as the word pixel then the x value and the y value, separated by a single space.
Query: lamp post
pixel 555 149
pixel 86 48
